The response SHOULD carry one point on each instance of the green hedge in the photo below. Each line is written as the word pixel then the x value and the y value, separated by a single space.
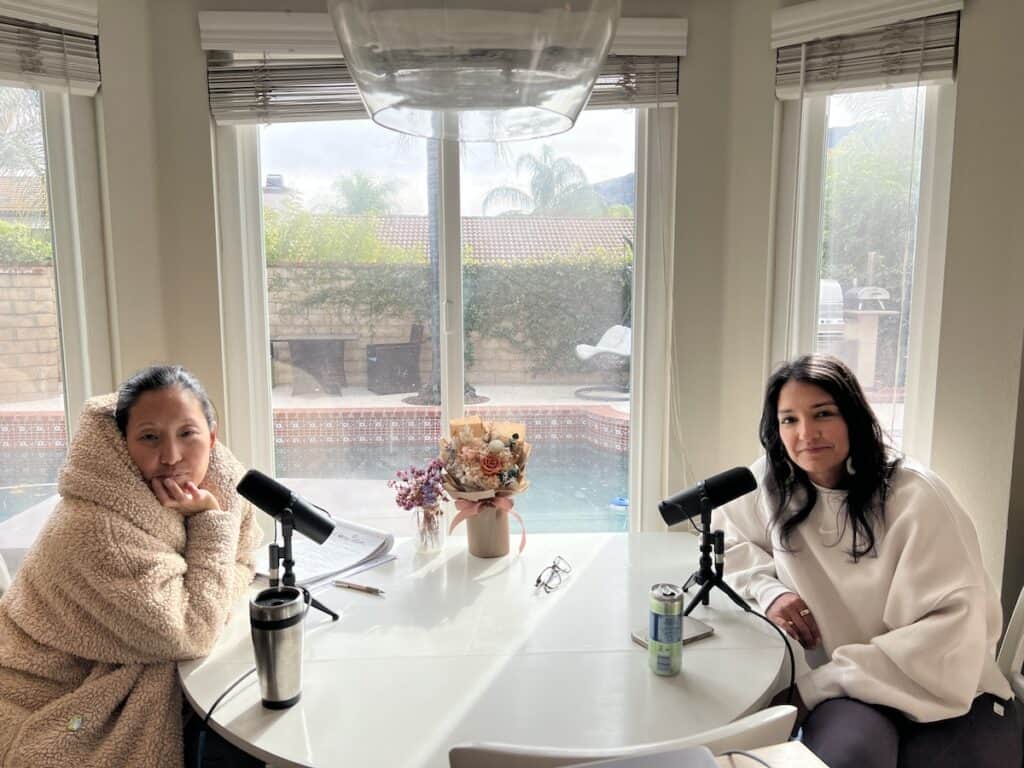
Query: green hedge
pixel 20 246
pixel 543 306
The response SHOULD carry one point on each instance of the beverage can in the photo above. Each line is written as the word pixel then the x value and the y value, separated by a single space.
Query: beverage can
pixel 665 629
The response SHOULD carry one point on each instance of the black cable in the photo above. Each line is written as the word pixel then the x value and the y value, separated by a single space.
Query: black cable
pixel 201 741
pixel 789 651
pixel 751 755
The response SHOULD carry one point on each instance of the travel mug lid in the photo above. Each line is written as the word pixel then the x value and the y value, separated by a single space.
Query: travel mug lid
pixel 277 603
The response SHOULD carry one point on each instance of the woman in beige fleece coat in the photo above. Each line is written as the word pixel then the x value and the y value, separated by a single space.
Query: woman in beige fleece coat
pixel 136 569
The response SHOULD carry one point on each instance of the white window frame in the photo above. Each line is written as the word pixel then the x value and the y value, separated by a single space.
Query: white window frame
pixel 798 217
pixel 80 260
pixel 245 319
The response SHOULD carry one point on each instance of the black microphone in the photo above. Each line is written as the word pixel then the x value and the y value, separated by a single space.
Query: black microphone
pixel 710 493
pixel 274 498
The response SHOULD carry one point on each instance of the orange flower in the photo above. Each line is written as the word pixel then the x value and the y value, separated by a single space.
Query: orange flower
pixel 490 464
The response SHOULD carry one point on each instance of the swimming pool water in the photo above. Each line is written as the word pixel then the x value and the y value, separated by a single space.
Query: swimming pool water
pixel 572 485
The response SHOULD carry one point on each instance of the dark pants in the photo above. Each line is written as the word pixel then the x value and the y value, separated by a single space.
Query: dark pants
pixel 846 733
pixel 217 751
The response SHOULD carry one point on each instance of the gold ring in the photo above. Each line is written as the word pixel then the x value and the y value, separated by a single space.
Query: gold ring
pixel 805 612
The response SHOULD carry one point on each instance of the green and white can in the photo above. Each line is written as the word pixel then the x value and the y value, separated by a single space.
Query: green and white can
pixel 665 629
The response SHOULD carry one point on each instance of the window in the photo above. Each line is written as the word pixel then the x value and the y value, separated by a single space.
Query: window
pixel 32 426
pixel 352 220
pixel 868 162
pixel 548 240
pixel 867 245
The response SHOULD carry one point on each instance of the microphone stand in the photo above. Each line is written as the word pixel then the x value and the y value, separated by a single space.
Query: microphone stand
pixel 284 552
pixel 706 577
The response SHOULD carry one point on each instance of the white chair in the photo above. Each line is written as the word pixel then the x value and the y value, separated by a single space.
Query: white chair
pixel 769 726
pixel 1011 653
pixel 5 577
pixel 611 353
pixel 616 342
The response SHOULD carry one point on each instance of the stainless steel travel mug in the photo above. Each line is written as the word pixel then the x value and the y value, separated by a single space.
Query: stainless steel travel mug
pixel 276 615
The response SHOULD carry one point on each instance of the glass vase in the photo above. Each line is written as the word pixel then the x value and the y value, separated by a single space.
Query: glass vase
pixel 431 529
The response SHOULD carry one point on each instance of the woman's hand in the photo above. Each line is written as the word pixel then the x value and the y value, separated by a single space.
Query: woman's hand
pixel 791 613
pixel 188 499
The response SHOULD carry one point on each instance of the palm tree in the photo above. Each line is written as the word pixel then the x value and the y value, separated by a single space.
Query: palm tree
pixel 21 133
pixel 22 152
pixel 362 194
pixel 558 187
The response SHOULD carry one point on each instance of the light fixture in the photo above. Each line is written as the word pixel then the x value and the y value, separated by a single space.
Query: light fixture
pixel 475 70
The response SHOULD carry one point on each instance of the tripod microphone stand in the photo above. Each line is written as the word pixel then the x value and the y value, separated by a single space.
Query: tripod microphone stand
pixel 284 552
pixel 706 577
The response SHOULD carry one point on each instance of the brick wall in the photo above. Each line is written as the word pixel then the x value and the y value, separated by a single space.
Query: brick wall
pixel 29 336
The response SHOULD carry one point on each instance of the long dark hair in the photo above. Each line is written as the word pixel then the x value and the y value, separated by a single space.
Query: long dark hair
pixel 159 377
pixel 866 489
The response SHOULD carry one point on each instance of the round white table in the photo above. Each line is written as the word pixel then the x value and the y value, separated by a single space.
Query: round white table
pixel 462 649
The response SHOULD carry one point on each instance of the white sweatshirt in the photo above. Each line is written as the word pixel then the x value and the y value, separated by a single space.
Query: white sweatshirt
pixel 913 625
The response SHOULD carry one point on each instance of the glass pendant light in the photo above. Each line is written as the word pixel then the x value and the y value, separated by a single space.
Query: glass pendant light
pixel 475 70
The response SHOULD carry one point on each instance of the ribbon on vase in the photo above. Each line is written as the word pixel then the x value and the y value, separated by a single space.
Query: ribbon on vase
pixel 468 509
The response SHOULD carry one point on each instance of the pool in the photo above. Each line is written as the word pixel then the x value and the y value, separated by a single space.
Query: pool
pixel 572 484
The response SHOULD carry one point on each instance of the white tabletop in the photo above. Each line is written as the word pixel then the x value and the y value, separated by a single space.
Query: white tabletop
pixel 463 649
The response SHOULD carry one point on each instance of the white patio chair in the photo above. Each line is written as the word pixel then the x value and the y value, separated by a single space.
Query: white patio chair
pixel 612 352
pixel 1011 653
pixel 616 342
pixel 761 729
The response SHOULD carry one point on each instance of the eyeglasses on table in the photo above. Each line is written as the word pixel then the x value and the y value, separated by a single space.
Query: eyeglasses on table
pixel 551 577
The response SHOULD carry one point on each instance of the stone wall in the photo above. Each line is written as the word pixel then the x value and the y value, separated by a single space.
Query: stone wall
pixel 495 361
pixel 29 336
pixel 30 347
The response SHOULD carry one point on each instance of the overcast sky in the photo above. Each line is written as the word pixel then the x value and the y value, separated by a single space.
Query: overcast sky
pixel 312 155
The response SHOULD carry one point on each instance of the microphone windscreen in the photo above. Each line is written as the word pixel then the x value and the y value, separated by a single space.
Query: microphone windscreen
pixel 731 484
pixel 274 498
pixel 265 492
pixel 707 494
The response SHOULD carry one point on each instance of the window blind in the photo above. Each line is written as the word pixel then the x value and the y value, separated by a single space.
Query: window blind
pixel 47 57
pixel 905 52
pixel 269 90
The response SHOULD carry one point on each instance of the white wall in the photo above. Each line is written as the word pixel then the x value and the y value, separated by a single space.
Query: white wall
pixel 128 154
pixel 979 369
pixel 723 236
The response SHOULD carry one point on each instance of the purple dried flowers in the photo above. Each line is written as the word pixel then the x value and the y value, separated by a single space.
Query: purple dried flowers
pixel 419 487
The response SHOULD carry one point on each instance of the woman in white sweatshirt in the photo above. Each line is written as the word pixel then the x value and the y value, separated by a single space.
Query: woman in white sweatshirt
pixel 872 565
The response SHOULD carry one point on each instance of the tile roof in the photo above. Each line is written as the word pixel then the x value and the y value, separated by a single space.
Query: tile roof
pixel 20 195
pixel 492 238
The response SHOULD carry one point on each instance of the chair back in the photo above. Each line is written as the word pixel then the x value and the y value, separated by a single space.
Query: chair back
pixel 617 339
pixel 761 729
pixel 1011 651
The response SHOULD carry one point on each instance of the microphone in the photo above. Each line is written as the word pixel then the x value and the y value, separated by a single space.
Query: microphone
pixel 707 494
pixel 274 498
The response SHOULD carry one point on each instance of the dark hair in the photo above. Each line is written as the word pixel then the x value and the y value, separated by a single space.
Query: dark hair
pixel 154 378
pixel 866 489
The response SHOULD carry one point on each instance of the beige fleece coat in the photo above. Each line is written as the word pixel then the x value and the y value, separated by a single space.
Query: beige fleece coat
pixel 116 590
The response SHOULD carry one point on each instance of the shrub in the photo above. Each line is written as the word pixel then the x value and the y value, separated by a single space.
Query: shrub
pixel 20 245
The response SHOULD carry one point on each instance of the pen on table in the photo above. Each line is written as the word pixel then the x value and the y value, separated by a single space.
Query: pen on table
pixel 358 587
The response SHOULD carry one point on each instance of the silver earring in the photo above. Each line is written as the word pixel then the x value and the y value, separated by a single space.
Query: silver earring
pixel 849 466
